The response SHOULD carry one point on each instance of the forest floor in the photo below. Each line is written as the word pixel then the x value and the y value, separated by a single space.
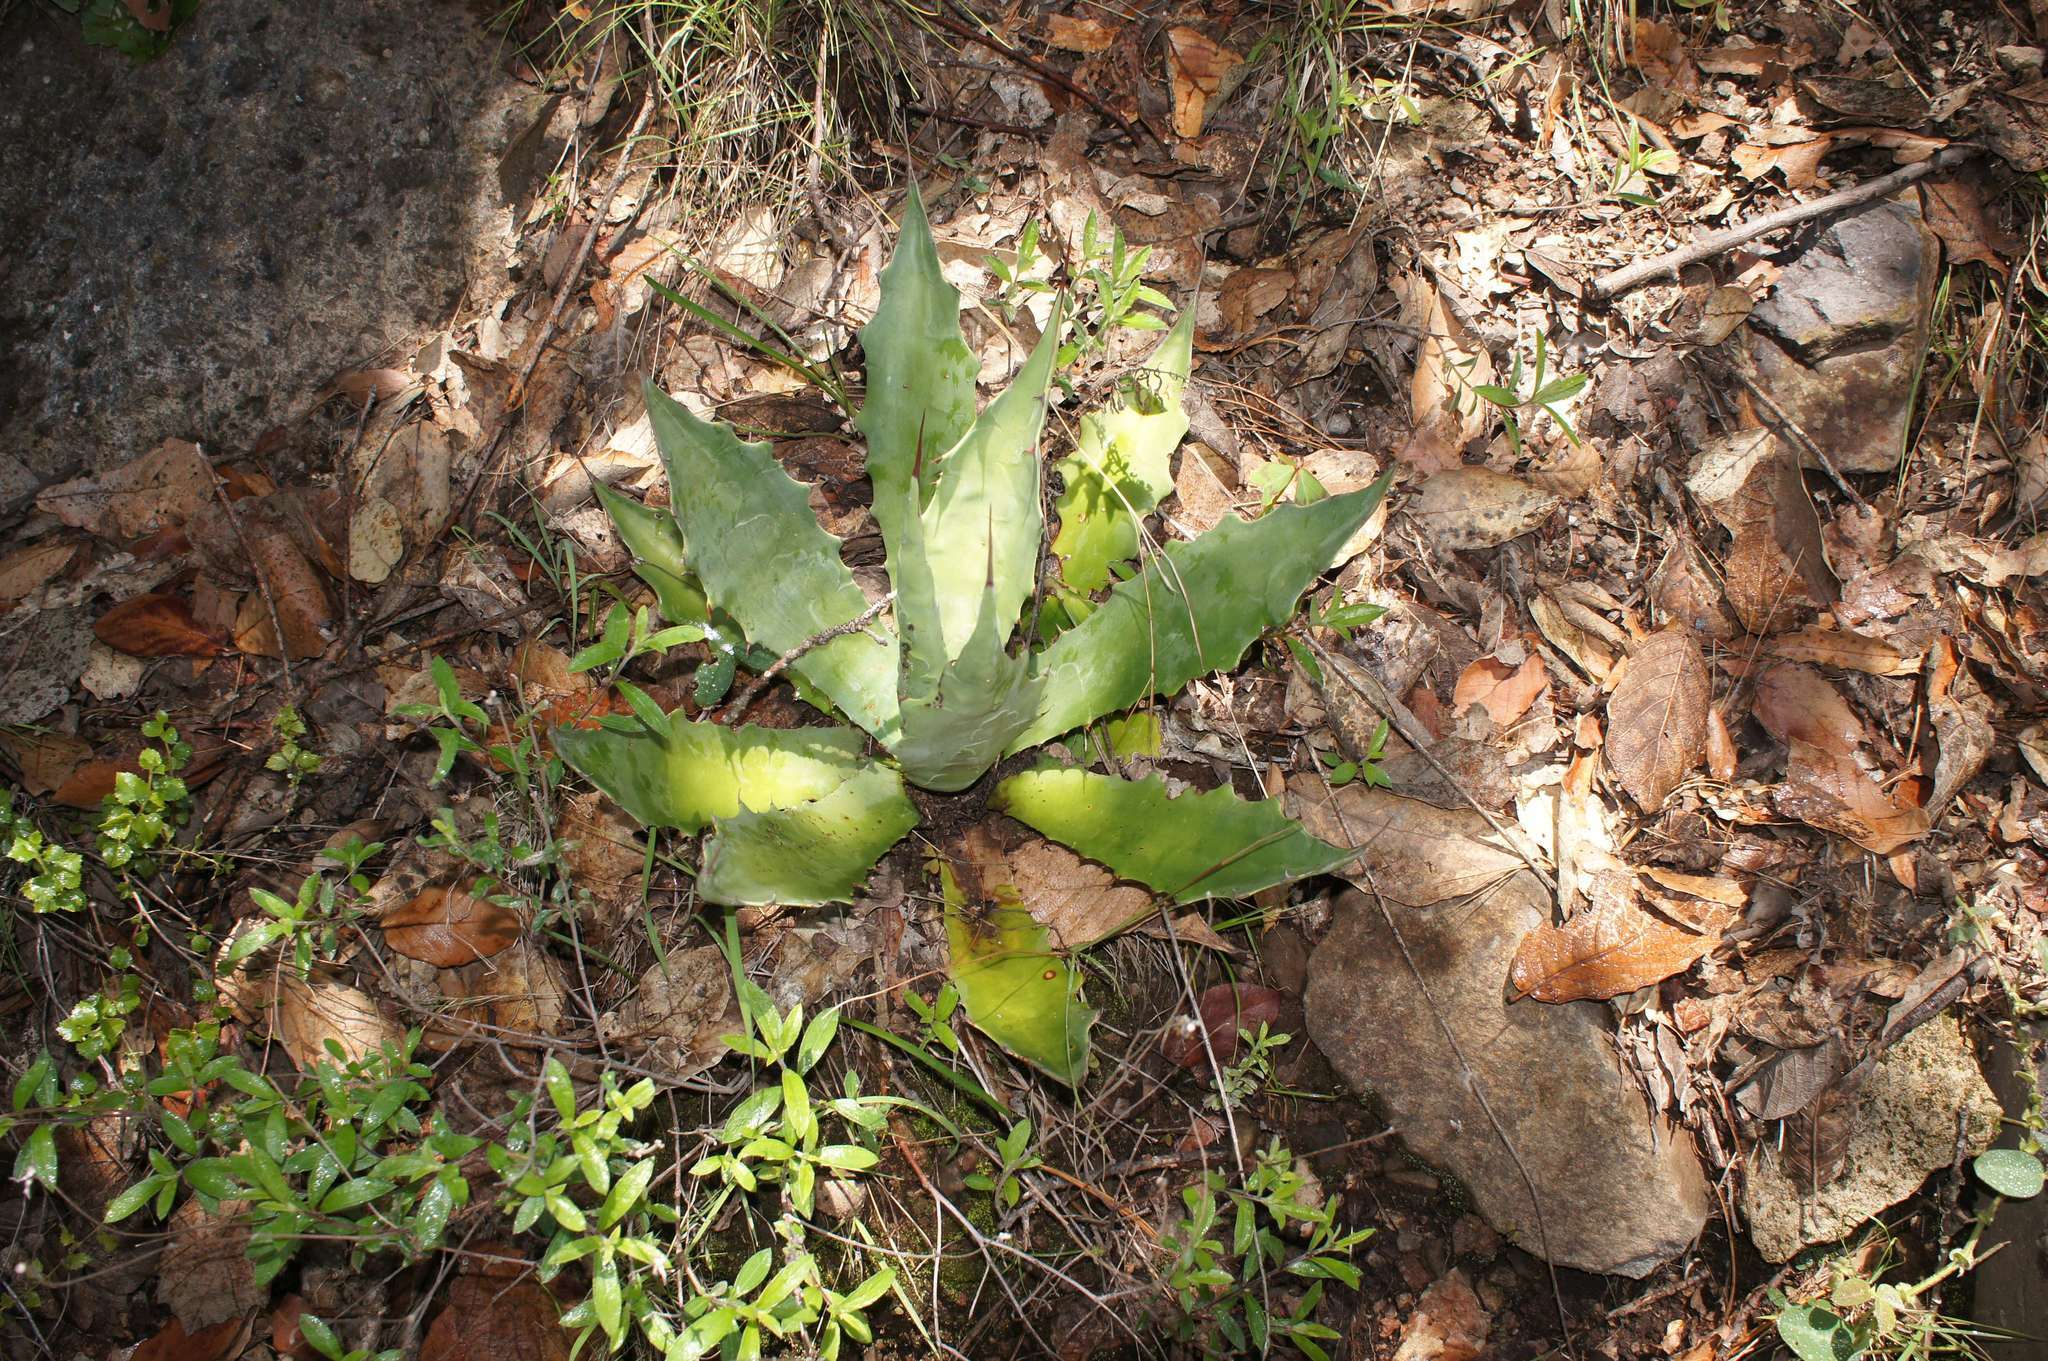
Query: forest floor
pixel 1685 701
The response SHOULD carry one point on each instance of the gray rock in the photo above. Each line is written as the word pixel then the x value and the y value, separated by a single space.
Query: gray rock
pixel 1925 1102
pixel 196 246
pixel 1837 341
pixel 1618 1190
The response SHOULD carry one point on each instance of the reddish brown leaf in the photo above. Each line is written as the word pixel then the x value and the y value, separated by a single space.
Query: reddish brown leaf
pixel 1954 208
pixel 1504 691
pixel 1797 704
pixel 1228 1012
pixel 218 1343
pixel 45 760
pixel 1720 747
pixel 89 784
pixel 157 625
pixel 447 928
pixel 27 569
pixel 154 15
pixel 1831 790
pixel 1198 68
pixel 1614 946
pixel 489 1320
pixel 1657 717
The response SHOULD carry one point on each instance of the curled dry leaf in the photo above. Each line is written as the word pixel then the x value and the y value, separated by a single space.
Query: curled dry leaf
pixel 1072 33
pixel 1961 717
pixel 1612 947
pixel 303 609
pixel 1657 717
pixel 1200 69
pixel 1504 691
pixel 1470 508
pixel 448 928
pixel 157 625
pixel 1228 1012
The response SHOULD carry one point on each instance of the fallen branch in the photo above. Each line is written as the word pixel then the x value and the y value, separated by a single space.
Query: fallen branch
pixel 1657 266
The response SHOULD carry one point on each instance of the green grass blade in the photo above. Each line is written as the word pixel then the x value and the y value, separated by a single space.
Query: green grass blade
pixel 816 852
pixel 763 559
pixel 1212 845
pixel 1195 609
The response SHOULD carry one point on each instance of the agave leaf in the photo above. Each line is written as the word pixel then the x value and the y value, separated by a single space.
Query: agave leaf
pixel 763 559
pixel 1197 846
pixel 691 773
pixel 815 852
pixel 1015 989
pixel 981 700
pixel 659 558
pixel 1194 609
pixel 1122 464
pixel 920 374
pixel 982 528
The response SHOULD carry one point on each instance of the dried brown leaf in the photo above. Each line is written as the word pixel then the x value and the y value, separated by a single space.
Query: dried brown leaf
pixel 1657 717
pixel 157 625
pixel 1798 162
pixel 1077 901
pixel 1614 946
pixel 1504 691
pixel 303 609
pixel 1585 649
pixel 491 1320
pixel 160 490
pixel 1198 69
pixel 27 570
pixel 1072 33
pixel 1954 208
pixel 1447 413
pixel 1721 758
pixel 518 990
pixel 1470 508
pixel 204 1276
pixel 448 928
pixel 1228 1012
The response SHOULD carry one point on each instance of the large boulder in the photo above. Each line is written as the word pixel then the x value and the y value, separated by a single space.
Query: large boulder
pixel 197 245
pixel 1837 342
pixel 1420 1019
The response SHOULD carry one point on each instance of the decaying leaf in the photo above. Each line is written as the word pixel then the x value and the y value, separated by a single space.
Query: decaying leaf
pixel 518 991
pixel 1504 691
pixel 1797 703
pixel 161 489
pixel 222 1342
pixel 204 1276
pixel 1831 790
pixel 1961 717
pixel 1799 162
pixel 1470 508
pixel 1657 717
pixel 305 1013
pixel 1587 650
pixel 447 928
pixel 488 1319
pixel 1228 1012
pixel 376 540
pixel 157 625
pixel 1077 901
pixel 1612 947
pixel 1954 208
pixel 1199 69
pixel 676 1018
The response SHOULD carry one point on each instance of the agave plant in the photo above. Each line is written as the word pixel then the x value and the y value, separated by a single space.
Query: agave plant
pixel 936 691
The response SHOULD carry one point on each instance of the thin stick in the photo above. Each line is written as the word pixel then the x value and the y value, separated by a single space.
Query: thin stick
pixel 1714 243
pixel 738 708
pixel 1799 436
